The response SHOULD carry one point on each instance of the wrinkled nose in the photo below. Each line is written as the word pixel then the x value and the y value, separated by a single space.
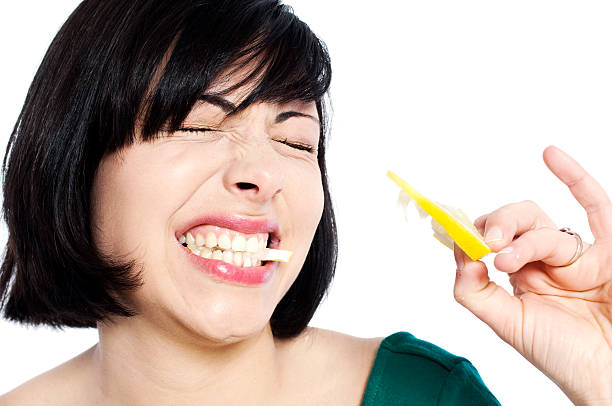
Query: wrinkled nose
pixel 257 175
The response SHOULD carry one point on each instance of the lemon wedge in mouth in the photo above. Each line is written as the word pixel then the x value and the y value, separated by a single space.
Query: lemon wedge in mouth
pixel 269 254
pixel 448 223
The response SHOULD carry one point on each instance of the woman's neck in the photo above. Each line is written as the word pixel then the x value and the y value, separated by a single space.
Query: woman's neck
pixel 136 363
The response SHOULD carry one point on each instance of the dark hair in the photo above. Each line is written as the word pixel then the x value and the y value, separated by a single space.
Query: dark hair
pixel 113 64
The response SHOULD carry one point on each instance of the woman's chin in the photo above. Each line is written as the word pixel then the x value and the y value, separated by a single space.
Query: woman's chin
pixel 229 333
pixel 226 322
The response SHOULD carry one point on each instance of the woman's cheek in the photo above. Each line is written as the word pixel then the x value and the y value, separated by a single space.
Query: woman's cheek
pixel 312 206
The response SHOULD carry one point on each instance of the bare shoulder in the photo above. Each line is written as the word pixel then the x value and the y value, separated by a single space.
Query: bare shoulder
pixel 344 348
pixel 58 386
pixel 337 364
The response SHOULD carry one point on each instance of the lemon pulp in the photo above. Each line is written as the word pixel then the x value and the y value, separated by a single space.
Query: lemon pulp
pixel 448 223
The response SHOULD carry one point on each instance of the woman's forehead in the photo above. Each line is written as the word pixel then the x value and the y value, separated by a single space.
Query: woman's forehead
pixel 232 87
pixel 236 83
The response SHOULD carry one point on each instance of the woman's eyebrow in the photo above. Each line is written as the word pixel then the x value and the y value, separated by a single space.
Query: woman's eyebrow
pixel 288 114
pixel 218 101
pixel 229 108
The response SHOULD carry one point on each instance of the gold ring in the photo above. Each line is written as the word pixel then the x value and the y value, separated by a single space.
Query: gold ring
pixel 578 252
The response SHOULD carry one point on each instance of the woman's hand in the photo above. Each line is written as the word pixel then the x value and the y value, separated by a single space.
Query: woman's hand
pixel 560 317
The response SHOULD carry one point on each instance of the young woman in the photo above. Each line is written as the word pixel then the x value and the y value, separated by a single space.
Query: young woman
pixel 159 142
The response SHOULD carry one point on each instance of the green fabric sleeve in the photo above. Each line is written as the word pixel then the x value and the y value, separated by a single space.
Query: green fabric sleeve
pixel 464 386
pixel 409 371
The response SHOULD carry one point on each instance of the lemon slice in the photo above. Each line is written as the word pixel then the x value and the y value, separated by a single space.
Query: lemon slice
pixel 269 254
pixel 448 223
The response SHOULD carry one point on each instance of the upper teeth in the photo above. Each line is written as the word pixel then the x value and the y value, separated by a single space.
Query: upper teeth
pixel 226 245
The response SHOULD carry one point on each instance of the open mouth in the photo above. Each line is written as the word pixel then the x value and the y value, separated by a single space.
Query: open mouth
pixel 230 246
pixel 233 248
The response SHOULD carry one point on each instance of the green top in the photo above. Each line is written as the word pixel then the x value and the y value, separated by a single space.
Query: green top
pixel 409 371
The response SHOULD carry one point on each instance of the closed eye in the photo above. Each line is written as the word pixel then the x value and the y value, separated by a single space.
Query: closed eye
pixel 195 129
pixel 297 145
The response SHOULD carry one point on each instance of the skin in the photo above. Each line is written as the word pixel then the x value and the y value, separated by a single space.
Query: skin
pixel 198 340
pixel 201 341
pixel 202 171
pixel 560 317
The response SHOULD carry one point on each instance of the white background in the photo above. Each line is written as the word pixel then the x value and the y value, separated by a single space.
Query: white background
pixel 458 97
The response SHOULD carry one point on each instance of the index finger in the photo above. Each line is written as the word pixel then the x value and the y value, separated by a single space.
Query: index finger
pixel 587 191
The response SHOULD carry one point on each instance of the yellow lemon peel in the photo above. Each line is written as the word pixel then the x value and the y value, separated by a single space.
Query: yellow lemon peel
pixel 448 223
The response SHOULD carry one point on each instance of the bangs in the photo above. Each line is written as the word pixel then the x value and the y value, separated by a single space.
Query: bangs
pixel 276 56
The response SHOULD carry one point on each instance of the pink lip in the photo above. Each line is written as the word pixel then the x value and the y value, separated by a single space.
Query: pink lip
pixel 256 275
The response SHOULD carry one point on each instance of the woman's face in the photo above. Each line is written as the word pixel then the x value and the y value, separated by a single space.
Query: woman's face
pixel 252 177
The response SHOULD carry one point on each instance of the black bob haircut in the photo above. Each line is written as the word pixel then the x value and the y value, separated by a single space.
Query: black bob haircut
pixel 114 64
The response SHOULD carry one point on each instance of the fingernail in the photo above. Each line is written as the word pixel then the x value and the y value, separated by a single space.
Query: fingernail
pixel 494 234
pixel 459 259
pixel 506 250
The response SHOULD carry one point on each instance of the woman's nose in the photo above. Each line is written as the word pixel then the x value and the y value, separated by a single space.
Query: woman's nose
pixel 256 175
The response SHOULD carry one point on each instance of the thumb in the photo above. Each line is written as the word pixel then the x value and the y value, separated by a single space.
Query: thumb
pixel 485 299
